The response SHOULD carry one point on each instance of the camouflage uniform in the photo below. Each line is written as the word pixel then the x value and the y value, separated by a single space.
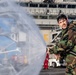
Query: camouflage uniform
pixel 66 44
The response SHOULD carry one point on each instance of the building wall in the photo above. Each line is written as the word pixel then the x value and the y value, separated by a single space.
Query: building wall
pixel 49 22
pixel 58 0
pixel 31 0
pixel 46 35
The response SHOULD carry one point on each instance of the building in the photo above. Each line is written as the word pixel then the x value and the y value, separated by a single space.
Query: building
pixel 45 13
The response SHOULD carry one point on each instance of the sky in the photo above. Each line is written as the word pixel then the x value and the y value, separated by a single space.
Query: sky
pixel 5 28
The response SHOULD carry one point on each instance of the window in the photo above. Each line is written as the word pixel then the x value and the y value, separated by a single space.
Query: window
pixel 53 6
pixel 23 4
pixel 71 6
pixel 33 5
pixel 43 5
pixel 61 6
pixel 35 16
pixel 43 17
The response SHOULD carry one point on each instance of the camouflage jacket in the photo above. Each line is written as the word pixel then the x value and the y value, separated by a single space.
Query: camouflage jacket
pixel 68 39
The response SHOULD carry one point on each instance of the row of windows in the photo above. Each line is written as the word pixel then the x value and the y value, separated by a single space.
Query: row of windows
pixel 47 5
pixel 44 17
pixel 50 17
pixel 52 27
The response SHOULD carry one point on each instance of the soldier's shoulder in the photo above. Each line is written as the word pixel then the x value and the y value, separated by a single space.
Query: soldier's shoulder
pixel 73 25
pixel 73 22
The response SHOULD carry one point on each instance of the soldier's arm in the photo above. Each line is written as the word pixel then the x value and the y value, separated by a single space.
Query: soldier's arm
pixel 69 43
pixel 71 39
pixel 55 49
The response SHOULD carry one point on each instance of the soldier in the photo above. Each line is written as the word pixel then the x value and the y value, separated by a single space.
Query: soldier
pixel 66 47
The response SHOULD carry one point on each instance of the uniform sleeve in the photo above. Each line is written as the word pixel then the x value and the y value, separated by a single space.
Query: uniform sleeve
pixel 72 34
pixel 59 47
pixel 71 38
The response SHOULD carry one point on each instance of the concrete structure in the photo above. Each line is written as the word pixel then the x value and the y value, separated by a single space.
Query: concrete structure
pixel 45 14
